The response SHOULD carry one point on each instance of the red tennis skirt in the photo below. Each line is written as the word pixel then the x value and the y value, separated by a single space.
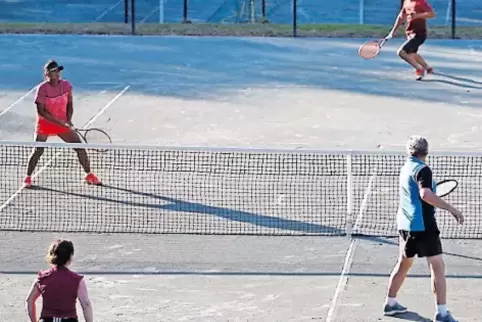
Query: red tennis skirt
pixel 48 128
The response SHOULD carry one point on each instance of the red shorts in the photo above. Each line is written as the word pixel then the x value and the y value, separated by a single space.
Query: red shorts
pixel 47 128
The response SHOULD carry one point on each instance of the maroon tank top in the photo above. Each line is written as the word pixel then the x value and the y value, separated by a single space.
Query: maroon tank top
pixel 59 287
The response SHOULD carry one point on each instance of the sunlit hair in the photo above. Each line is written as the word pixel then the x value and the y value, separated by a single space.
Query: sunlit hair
pixel 60 252
pixel 417 146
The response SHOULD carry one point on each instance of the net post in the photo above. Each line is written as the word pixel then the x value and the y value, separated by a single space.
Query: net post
pixel 349 197
pixel 133 17
pixel 453 18
pixel 295 17
pixel 126 11
pixel 362 11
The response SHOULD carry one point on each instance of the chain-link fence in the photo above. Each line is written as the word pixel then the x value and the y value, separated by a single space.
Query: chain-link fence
pixel 296 13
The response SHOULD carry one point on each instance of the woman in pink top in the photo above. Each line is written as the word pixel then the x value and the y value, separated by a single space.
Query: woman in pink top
pixel 59 288
pixel 54 118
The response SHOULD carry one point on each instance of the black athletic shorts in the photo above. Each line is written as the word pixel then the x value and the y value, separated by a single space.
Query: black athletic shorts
pixel 421 243
pixel 411 45
pixel 58 320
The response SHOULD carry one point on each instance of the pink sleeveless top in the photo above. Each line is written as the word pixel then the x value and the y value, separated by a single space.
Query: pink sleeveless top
pixel 55 100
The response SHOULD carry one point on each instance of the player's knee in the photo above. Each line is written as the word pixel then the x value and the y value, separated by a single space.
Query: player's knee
pixel 436 263
pixel 80 151
pixel 38 152
pixel 405 263
pixel 401 53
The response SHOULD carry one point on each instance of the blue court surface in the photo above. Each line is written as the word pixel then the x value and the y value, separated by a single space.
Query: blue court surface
pixel 229 11
pixel 249 93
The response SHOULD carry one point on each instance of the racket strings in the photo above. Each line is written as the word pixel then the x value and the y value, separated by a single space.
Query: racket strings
pixel 444 188
pixel 97 137
pixel 369 49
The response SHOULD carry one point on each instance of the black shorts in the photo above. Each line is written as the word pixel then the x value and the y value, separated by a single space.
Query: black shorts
pixel 421 243
pixel 57 320
pixel 411 45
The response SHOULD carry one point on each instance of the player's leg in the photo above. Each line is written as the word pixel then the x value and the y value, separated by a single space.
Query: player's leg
pixel 433 251
pixel 34 158
pixel 408 52
pixel 71 136
pixel 420 40
pixel 423 63
pixel 407 252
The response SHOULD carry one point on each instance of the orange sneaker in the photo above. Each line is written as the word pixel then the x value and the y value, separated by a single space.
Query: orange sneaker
pixel 92 179
pixel 27 182
pixel 420 73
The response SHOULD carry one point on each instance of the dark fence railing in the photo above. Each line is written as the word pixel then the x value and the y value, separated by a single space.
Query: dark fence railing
pixel 300 12
pixel 452 15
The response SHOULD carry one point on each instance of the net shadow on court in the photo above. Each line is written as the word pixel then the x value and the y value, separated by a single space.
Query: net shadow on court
pixel 181 206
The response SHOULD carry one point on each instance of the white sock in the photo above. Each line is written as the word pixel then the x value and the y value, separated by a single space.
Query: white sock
pixel 391 301
pixel 442 309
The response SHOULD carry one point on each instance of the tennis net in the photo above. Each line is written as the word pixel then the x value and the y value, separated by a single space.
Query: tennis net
pixel 223 191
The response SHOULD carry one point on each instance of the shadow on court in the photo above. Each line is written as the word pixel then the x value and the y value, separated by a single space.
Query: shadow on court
pixel 178 205
pixel 452 83
pixel 411 316
pixel 234 64
pixel 459 78
pixel 456 81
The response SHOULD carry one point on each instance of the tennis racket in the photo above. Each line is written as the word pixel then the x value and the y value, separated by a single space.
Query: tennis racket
pixel 371 48
pixel 445 187
pixel 94 136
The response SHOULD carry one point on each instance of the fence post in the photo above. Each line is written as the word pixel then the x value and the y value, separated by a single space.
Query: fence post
pixel 263 10
pixel 133 17
pixel 453 19
pixel 295 17
pixel 161 11
pixel 184 12
pixel 126 11
pixel 251 11
pixel 362 12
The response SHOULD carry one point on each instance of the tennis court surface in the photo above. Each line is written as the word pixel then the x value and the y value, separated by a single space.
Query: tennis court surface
pixel 253 226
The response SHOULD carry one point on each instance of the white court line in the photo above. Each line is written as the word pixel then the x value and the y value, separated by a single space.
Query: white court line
pixel 150 14
pixel 108 10
pixel 349 253
pixel 19 100
pixel 366 196
pixel 39 171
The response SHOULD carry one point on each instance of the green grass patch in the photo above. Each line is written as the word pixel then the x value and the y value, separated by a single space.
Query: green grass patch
pixel 258 29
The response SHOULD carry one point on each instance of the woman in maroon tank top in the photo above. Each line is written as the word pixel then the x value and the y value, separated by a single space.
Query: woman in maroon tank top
pixel 60 288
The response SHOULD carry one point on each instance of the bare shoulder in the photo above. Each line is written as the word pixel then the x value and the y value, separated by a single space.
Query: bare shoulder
pixel 44 273
pixel 76 275
pixel 42 85
pixel 66 83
